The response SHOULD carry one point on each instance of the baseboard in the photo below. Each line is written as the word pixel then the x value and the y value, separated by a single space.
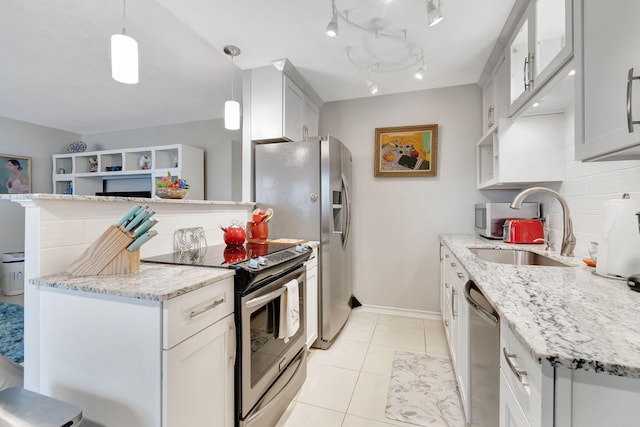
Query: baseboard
pixel 393 311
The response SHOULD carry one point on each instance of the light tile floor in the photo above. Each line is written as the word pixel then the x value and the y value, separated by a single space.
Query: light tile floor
pixel 347 384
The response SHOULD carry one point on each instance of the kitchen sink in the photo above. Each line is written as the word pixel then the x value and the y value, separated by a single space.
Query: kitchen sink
pixel 515 257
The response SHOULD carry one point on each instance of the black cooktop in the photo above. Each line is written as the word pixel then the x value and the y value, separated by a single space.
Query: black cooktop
pixel 238 257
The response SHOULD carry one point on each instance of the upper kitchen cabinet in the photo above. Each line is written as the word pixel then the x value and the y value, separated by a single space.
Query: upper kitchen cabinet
pixel 283 106
pixel 495 95
pixel 608 89
pixel 540 46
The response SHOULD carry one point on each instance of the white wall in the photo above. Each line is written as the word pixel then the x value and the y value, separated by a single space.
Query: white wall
pixel 39 143
pixel 210 135
pixel 397 221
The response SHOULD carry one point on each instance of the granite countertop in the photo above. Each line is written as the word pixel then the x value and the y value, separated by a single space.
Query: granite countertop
pixel 47 196
pixel 565 315
pixel 154 282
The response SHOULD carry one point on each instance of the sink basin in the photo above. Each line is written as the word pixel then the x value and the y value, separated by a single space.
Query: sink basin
pixel 515 257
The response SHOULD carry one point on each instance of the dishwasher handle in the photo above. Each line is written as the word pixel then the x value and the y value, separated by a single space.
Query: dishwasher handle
pixel 483 312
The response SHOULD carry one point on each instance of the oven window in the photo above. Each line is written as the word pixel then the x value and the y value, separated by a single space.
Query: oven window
pixel 266 348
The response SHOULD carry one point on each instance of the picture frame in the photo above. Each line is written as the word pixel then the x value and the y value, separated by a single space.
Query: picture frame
pixel 15 174
pixel 406 151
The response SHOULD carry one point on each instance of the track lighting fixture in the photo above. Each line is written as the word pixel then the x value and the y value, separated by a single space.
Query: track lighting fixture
pixel 232 108
pixel 419 74
pixel 332 28
pixel 434 15
pixel 124 54
pixel 373 88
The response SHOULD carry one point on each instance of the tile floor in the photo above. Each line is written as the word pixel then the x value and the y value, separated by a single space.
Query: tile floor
pixel 347 384
pixel 13 299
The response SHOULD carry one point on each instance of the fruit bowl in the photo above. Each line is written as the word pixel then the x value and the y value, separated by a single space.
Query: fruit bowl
pixel 171 193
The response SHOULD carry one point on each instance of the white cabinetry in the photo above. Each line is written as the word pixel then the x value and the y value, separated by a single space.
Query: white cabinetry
pixel 455 312
pixel 311 295
pixel 608 89
pixel 514 154
pixel 139 169
pixel 128 361
pixel 540 46
pixel 280 110
pixel 495 95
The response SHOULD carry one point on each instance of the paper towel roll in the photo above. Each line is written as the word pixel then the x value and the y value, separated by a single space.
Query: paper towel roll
pixel 621 236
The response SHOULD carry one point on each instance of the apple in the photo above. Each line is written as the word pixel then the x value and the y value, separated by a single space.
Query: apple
pixel 414 153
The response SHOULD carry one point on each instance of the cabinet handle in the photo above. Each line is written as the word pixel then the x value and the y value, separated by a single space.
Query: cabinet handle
pixel 232 328
pixel 525 77
pixel 446 285
pixel 453 304
pixel 203 310
pixel 446 323
pixel 630 121
pixel 453 264
pixel 446 255
pixel 519 373
pixel 460 275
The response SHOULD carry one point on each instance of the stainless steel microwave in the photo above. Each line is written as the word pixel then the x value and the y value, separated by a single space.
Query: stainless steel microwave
pixel 490 217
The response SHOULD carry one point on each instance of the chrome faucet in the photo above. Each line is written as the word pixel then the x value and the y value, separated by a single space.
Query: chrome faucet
pixel 568 239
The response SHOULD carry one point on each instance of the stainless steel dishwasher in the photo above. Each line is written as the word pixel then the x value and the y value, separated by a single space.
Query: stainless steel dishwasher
pixel 484 340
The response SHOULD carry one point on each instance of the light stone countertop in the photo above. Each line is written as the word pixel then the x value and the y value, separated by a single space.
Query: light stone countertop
pixel 565 315
pixel 154 282
pixel 47 196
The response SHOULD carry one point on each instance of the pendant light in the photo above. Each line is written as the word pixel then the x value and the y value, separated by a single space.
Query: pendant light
pixel 124 54
pixel 232 108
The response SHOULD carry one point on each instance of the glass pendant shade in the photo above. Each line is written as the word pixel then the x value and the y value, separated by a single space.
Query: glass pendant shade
pixel 232 115
pixel 124 59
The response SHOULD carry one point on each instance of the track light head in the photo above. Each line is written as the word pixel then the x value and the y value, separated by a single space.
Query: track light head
pixel 419 74
pixel 332 27
pixel 373 88
pixel 434 15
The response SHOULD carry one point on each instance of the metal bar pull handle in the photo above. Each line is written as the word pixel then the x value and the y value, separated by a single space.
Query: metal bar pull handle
pixel 483 312
pixel 454 293
pixel 630 121
pixel 209 307
pixel 519 373
pixel 525 77
pixel 255 302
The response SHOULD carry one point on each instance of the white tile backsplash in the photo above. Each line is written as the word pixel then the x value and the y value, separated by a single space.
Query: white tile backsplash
pixel 586 187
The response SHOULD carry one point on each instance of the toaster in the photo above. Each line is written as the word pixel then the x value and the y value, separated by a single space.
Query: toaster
pixel 523 231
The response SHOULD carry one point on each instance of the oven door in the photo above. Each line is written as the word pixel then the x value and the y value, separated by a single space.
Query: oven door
pixel 263 355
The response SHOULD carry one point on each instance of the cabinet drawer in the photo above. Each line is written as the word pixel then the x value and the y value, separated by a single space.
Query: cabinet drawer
pixel 522 373
pixel 192 312
pixel 511 414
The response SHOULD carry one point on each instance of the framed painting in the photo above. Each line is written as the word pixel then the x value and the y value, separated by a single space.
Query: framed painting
pixel 15 174
pixel 407 151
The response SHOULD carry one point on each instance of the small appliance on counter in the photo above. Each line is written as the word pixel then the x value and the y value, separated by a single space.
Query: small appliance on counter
pixel 490 217
pixel 523 231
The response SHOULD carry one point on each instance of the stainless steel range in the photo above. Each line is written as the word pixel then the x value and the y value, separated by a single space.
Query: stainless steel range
pixel 269 370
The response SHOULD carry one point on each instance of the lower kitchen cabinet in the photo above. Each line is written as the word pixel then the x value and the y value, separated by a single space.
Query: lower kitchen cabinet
pixel 311 295
pixel 455 314
pixel 136 362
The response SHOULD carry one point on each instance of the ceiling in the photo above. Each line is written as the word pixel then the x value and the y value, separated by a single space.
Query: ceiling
pixel 55 60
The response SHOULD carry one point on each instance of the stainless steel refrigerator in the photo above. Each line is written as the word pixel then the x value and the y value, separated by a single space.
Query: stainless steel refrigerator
pixel 308 185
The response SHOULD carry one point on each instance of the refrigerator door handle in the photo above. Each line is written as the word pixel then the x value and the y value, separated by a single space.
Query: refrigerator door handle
pixel 347 217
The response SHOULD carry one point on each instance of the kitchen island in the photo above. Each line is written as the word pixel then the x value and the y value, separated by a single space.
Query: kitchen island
pixel 153 348
pixel 58 228
pixel 581 329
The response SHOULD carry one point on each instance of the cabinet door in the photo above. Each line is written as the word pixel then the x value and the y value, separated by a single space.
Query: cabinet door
pixel 198 378
pixel 311 119
pixel 511 415
pixel 520 58
pixel 312 301
pixel 609 50
pixel 553 37
pixel 293 111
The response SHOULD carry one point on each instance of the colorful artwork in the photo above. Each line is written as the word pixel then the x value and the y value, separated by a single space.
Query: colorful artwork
pixel 15 174
pixel 406 151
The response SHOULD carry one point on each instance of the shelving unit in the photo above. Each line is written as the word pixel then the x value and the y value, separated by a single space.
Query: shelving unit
pixel 73 173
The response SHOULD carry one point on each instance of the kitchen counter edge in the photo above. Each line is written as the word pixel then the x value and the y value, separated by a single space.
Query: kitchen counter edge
pixel 565 315
pixel 155 282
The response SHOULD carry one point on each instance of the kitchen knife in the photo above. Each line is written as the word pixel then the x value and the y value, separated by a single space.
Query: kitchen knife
pixel 128 215
pixel 144 227
pixel 141 240
pixel 136 220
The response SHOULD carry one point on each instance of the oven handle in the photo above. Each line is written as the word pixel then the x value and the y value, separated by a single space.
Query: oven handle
pixel 258 301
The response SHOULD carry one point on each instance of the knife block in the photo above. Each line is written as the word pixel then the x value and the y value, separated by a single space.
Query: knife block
pixel 107 255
